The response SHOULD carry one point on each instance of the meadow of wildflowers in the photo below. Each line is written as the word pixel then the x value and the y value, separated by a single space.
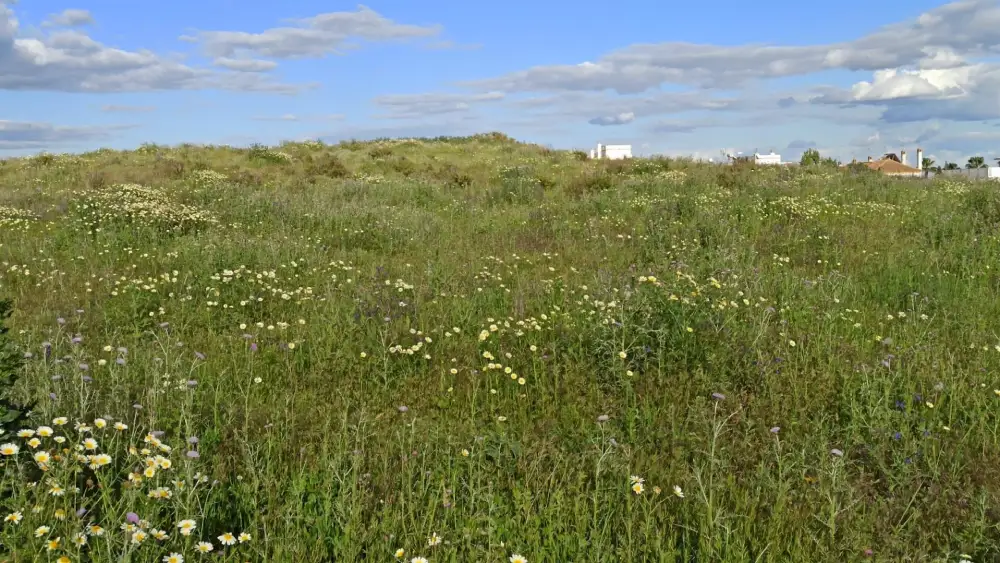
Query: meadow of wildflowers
pixel 478 350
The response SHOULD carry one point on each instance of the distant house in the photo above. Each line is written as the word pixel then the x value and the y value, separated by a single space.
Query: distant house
pixel 771 159
pixel 768 159
pixel 892 165
pixel 612 152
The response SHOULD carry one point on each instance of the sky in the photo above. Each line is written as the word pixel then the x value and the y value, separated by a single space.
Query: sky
pixel 850 78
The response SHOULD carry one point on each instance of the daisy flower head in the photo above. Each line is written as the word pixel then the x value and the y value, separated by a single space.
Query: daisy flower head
pixel 204 547
pixel 434 540
pixel 9 449
pixel 678 492
pixel 638 488
pixel 399 553
pixel 227 539
pixel 244 537
pixel 518 558
pixel 173 558
pixel 186 527
pixel 418 560
pixel 41 531
pixel 14 517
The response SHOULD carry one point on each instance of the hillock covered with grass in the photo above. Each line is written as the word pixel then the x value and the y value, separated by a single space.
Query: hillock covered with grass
pixel 473 349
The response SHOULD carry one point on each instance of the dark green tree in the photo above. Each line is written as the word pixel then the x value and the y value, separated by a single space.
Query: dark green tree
pixel 11 413
pixel 976 162
pixel 810 158
pixel 950 166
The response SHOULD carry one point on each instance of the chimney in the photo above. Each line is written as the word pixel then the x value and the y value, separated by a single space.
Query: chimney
pixel 902 157
pixel 920 159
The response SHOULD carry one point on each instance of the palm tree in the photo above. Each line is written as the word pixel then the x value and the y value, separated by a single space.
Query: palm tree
pixel 927 163
pixel 950 166
pixel 976 162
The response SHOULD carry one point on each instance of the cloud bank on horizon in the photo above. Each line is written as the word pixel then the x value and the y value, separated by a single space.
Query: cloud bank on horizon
pixel 76 77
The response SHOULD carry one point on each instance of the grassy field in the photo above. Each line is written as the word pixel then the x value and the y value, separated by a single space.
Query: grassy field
pixel 479 350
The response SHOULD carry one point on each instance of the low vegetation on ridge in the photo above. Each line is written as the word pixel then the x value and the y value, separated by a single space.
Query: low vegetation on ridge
pixel 473 349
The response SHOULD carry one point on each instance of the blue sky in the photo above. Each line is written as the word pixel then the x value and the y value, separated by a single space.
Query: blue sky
pixel 688 79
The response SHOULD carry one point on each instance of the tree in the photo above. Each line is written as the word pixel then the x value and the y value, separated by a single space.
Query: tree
pixel 950 166
pixel 11 413
pixel 810 158
pixel 927 163
pixel 976 162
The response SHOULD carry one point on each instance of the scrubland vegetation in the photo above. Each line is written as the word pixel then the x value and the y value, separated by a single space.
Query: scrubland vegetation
pixel 479 350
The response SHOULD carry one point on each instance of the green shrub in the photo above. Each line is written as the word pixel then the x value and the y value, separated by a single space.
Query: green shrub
pixel 11 412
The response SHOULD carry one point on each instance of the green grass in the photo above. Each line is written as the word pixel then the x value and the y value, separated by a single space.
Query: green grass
pixel 552 326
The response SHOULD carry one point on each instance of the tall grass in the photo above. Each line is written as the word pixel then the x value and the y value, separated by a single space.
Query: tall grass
pixel 478 350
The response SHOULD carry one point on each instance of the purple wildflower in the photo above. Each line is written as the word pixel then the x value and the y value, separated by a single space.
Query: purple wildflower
pixel 193 454
pixel 603 418
pixel 157 433
pixel 192 383
pixel 193 440
pixel 837 452
pixel 132 517
pixel 84 367
pixel 199 355
pixel 253 346
pixel 120 361
pixel 718 396
pixel 402 408
pixel 87 379
pixel 775 430
pixel 137 406
pixel 81 512
pixel 61 321
pixel 52 396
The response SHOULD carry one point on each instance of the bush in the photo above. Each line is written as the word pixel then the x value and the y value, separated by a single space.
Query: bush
pixel 11 413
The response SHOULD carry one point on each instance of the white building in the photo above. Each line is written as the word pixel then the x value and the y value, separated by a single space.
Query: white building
pixel 613 152
pixel 987 173
pixel 770 159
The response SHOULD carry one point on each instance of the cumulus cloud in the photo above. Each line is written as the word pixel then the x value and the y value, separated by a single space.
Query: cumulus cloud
pixel 316 36
pixel 619 119
pixel 245 65
pixel 69 18
pixel 415 106
pixel 969 27
pixel 21 135
pixel 68 60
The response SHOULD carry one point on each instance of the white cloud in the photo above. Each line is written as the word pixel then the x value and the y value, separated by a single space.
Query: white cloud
pixel 69 60
pixel 21 135
pixel 316 36
pixel 245 65
pixel 969 27
pixel 415 106
pixel 69 18
pixel 619 119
